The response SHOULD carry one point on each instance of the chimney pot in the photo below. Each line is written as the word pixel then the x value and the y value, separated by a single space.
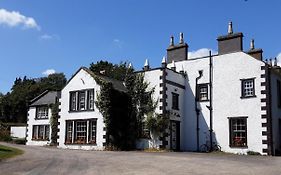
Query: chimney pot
pixel 230 29
pixel 173 65
pixel 275 61
pixel 146 65
pixel 252 44
pixel 181 38
pixel 172 40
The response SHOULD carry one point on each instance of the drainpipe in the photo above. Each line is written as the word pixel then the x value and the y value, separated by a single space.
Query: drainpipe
pixel 211 100
pixel 196 107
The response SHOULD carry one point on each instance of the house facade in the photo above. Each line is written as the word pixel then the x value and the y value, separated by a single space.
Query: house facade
pixel 39 118
pixel 231 99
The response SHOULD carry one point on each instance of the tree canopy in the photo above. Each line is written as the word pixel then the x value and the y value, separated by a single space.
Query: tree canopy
pixel 14 104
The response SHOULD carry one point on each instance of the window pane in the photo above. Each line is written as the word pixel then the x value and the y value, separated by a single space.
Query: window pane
pixel 248 88
pixel 238 132
pixel 42 112
pixel 69 131
pixel 175 101
pixel 41 132
pixel 72 101
pixel 82 100
pixel 35 132
pixel 91 99
pixel 92 131
pixel 81 132
pixel 202 92
pixel 47 132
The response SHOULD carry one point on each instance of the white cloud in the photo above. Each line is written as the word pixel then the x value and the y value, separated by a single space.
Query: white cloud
pixel 200 53
pixel 14 19
pixel 118 43
pixel 279 59
pixel 48 72
pixel 49 37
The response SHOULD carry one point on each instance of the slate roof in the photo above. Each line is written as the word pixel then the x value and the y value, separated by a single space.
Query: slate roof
pixel 46 98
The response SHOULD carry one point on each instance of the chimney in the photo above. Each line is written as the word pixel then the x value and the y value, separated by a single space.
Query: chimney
pixel 177 52
pixel 146 65
pixel 275 62
pixel 256 53
pixel 232 42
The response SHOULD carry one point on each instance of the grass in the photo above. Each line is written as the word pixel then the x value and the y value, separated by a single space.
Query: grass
pixel 8 152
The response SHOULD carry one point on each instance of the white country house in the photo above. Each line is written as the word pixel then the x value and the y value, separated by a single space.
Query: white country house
pixel 39 117
pixel 231 99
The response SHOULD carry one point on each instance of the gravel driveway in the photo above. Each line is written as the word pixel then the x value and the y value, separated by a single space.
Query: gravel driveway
pixel 46 160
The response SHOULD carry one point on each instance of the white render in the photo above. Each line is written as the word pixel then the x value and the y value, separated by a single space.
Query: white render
pixel 82 80
pixel 18 131
pixel 33 121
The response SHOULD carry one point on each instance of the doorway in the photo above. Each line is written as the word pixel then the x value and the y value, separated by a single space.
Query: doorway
pixel 175 135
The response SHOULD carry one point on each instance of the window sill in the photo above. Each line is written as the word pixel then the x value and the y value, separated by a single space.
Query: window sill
pixel 41 118
pixel 86 144
pixel 242 97
pixel 238 147
pixel 40 139
pixel 82 111
pixel 203 100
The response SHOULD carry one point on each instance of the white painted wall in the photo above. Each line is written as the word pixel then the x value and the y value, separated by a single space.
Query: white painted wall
pixel 33 121
pixel 18 131
pixel 228 70
pixel 82 80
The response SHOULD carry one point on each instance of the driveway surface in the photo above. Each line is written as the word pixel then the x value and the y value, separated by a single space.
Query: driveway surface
pixel 46 160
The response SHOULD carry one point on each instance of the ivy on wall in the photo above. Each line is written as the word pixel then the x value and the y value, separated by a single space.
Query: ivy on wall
pixel 124 112
pixel 54 123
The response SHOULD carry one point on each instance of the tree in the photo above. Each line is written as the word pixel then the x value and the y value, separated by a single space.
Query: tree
pixel 115 71
pixel 14 105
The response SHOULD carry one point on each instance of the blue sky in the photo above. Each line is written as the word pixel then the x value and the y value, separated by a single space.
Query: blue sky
pixel 62 35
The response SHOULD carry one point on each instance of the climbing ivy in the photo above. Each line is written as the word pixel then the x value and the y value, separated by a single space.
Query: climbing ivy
pixel 54 123
pixel 124 112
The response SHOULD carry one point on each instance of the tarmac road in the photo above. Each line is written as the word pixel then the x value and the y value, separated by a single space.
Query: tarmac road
pixel 47 160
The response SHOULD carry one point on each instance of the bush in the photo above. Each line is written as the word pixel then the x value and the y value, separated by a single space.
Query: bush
pixel 19 141
pixel 5 136
pixel 253 153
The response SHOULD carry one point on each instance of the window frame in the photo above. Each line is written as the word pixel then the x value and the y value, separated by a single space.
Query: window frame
pixel 231 131
pixel 175 101
pixel 38 111
pixel 45 133
pixel 199 86
pixel 87 103
pixel 71 137
pixel 243 88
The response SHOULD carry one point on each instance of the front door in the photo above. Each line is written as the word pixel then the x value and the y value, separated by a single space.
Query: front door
pixel 175 135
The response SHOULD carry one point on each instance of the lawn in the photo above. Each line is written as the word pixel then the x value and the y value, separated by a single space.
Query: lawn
pixel 7 152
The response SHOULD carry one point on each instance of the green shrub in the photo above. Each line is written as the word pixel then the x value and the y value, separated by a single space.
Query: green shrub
pixel 5 136
pixel 21 141
pixel 253 153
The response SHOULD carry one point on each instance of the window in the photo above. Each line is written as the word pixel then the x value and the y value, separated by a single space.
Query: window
pixel 40 132
pixel 279 93
pixel 91 99
pixel 175 101
pixel 42 112
pixel 238 131
pixel 69 132
pixel 202 94
pixel 83 132
pixel 248 88
pixel 81 100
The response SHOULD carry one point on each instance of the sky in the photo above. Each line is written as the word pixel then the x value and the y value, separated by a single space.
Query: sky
pixel 38 38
